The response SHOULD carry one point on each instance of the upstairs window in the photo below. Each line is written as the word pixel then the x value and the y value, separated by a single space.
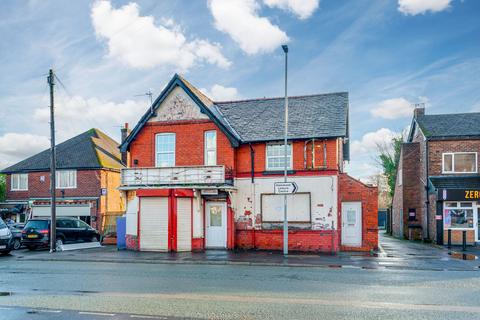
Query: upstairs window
pixel 66 179
pixel 165 150
pixel 19 182
pixel 210 148
pixel 276 157
pixel 459 162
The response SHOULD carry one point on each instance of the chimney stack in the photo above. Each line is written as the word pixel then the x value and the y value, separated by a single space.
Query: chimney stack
pixel 125 131
pixel 419 110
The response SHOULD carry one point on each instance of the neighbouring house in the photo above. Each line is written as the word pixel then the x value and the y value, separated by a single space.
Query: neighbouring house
pixel 87 181
pixel 438 185
pixel 201 175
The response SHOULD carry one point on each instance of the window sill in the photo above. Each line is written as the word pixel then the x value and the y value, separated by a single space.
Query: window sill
pixel 277 172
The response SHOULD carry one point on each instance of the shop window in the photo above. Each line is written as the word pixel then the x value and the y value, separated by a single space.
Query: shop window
pixel 66 179
pixel 461 162
pixel 458 215
pixel 276 156
pixel 19 182
pixel 298 206
pixel 165 150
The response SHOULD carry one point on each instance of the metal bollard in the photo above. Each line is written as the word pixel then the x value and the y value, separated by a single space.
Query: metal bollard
pixel 449 246
pixel 464 240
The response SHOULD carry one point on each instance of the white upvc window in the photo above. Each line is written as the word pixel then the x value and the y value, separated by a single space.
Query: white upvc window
pixel 66 179
pixel 19 182
pixel 459 162
pixel 210 147
pixel 165 150
pixel 276 156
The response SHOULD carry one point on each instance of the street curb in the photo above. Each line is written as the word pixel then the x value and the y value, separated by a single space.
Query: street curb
pixel 256 264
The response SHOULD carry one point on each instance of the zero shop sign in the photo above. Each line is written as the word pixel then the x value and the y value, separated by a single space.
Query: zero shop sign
pixel 285 187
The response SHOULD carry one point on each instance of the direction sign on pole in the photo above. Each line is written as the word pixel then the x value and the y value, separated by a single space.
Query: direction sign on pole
pixel 285 187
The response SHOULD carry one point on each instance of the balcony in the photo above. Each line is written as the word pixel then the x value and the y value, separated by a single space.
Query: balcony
pixel 174 176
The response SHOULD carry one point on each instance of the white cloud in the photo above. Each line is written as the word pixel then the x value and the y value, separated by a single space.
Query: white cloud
pixel 140 43
pixel 221 93
pixel 303 9
pixel 371 141
pixel 76 114
pixel 393 109
pixel 17 146
pixel 241 21
pixel 414 7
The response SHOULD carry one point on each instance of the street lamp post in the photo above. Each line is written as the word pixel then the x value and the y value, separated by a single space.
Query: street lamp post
pixel 285 216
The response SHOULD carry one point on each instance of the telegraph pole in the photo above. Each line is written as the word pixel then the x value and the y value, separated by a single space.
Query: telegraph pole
pixel 53 163
pixel 285 216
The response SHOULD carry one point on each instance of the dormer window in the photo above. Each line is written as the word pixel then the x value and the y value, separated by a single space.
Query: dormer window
pixel 459 162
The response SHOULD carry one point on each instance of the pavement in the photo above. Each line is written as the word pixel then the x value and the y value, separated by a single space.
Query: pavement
pixel 393 254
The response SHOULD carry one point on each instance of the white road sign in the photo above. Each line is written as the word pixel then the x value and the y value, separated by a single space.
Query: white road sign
pixel 285 187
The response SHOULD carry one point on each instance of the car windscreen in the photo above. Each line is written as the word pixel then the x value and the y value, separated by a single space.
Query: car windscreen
pixel 37 225
pixel 2 224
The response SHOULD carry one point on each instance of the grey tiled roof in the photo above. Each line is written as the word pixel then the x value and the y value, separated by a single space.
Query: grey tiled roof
pixel 89 150
pixel 313 116
pixel 450 125
pixel 456 182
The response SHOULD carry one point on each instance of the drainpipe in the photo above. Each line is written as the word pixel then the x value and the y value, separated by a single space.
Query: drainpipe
pixel 427 211
pixel 252 162
pixel 325 154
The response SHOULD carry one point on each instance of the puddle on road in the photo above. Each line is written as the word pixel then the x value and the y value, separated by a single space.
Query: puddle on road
pixel 463 256
pixel 4 293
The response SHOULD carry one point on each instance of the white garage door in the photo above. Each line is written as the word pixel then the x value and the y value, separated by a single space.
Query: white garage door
pixel 62 211
pixel 154 224
pixel 184 224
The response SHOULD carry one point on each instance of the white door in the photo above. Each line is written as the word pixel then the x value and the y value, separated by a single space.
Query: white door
pixel 216 224
pixel 184 224
pixel 154 224
pixel 352 224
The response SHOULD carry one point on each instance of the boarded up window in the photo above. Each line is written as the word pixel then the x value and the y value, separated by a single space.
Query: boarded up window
pixel 298 207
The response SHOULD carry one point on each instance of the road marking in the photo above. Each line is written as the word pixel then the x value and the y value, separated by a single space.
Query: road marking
pixel 5 308
pixel 48 311
pixel 97 313
pixel 146 317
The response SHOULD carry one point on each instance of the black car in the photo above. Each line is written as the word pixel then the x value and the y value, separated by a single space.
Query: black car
pixel 6 238
pixel 36 233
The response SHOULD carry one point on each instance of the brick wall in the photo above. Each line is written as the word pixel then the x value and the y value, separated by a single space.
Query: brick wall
pixel 88 185
pixel 298 240
pixel 351 189
pixel 243 158
pixel 413 190
pixel 436 148
pixel 397 202
pixel 189 139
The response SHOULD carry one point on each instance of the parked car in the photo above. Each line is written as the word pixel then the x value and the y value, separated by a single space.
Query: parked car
pixel 36 233
pixel 6 238
pixel 16 230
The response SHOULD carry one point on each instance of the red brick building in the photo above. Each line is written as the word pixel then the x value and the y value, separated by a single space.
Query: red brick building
pixel 88 175
pixel 201 175
pixel 438 185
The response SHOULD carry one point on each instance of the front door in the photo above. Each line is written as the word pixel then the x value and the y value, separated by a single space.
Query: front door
pixel 216 224
pixel 352 224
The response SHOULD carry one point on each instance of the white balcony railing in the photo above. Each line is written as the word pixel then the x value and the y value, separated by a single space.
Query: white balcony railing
pixel 191 175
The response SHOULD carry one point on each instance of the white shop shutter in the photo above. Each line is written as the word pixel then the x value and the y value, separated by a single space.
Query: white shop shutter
pixel 154 224
pixel 184 224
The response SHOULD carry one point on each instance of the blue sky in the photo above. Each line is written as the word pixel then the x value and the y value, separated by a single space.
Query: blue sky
pixel 386 54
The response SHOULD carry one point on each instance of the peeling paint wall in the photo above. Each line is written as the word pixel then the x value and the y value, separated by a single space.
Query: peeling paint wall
pixel 323 190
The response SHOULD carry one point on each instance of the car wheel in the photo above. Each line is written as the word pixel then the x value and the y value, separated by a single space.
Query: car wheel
pixel 93 239
pixel 16 244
